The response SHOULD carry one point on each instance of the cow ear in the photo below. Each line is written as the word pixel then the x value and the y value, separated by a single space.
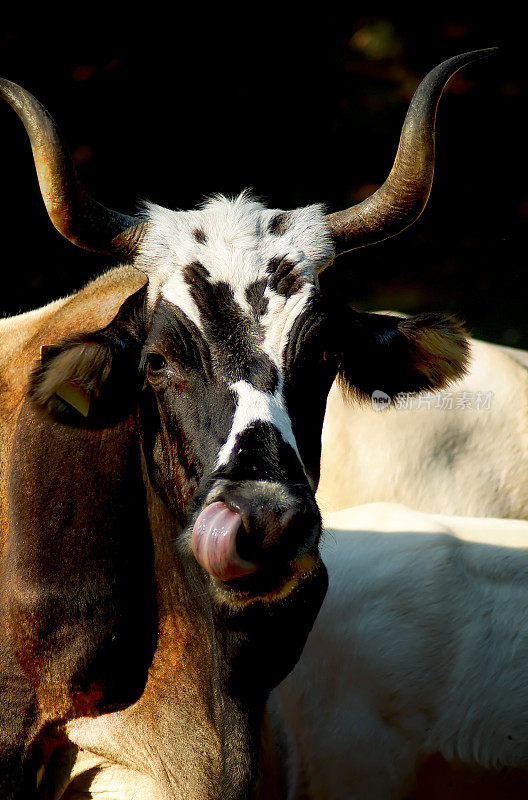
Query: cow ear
pixel 93 378
pixel 397 354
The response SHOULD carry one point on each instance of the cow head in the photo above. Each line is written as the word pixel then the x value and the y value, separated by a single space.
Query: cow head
pixel 230 350
pixel 229 354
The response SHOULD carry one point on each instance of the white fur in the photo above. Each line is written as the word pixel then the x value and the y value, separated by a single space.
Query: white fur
pixel 420 647
pixel 454 461
pixel 255 406
pixel 237 249
pixel 94 776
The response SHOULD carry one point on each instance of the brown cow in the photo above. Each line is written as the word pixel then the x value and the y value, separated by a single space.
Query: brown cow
pixel 160 440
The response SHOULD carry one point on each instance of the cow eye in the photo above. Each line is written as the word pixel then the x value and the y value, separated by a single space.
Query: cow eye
pixel 156 362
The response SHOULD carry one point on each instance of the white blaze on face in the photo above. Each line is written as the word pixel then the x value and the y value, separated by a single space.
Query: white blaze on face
pixel 255 406
pixel 239 242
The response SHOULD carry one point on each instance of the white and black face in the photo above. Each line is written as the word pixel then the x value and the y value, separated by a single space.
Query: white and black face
pixel 229 357
pixel 220 358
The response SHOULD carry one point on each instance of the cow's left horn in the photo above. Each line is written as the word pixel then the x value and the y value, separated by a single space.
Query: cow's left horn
pixel 75 214
pixel 402 198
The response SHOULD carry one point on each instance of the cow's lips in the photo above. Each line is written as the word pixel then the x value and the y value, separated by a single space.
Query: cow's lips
pixel 214 543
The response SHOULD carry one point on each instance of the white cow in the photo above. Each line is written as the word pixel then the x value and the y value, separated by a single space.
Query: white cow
pixel 421 648
pixel 471 458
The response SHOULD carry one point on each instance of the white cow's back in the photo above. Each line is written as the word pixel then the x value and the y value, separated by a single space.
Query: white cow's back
pixel 471 461
pixel 420 647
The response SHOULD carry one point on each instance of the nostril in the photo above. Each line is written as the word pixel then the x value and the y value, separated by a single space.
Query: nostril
pixel 249 541
pixel 286 517
pixel 300 528
pixel 266 532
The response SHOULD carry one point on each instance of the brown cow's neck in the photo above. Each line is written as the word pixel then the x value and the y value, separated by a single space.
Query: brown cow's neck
pixel 76 575
pixel 217 733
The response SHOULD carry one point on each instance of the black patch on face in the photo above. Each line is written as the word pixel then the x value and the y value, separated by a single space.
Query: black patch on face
pixel 232 337
pixel 200 235
pixel 278 267
pixel 260 453
pixel 279 224
pixel 255 297
pixel 195 271
pixel 283 280
pixel 173 334
pixel 290 285
pixel 310 368
pixel 188 414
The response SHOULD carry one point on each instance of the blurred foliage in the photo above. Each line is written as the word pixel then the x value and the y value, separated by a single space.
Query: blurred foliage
pixel 301 109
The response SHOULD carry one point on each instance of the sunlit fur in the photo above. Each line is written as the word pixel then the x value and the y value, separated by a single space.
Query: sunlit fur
pixel 434 453
pixel 420 648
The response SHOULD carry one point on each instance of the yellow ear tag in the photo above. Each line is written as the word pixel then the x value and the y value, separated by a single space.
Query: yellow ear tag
pixel 72 394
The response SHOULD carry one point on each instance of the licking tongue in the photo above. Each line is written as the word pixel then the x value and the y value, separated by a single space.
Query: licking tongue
pixel 214 543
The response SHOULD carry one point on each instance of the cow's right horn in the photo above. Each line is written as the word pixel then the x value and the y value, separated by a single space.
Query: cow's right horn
pixel 402 198
pixel 75 214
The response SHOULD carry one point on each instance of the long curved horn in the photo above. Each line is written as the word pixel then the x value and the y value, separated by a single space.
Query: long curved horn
pixel 75 214
pixel 402 198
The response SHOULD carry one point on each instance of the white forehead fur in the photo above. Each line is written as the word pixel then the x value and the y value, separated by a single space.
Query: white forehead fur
pixel 237 247
pixel 235 242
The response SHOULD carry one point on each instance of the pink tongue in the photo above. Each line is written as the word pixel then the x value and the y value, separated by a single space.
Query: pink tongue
pixel 214 543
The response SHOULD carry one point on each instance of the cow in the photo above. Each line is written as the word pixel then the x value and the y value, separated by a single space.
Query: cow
pixel 160 444
pixel 413 681
pixel 462 452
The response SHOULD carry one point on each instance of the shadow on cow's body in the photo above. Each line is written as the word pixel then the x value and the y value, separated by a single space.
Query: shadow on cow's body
pixel 160 446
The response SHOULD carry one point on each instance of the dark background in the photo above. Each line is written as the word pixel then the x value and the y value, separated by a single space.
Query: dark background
pixel 175 106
